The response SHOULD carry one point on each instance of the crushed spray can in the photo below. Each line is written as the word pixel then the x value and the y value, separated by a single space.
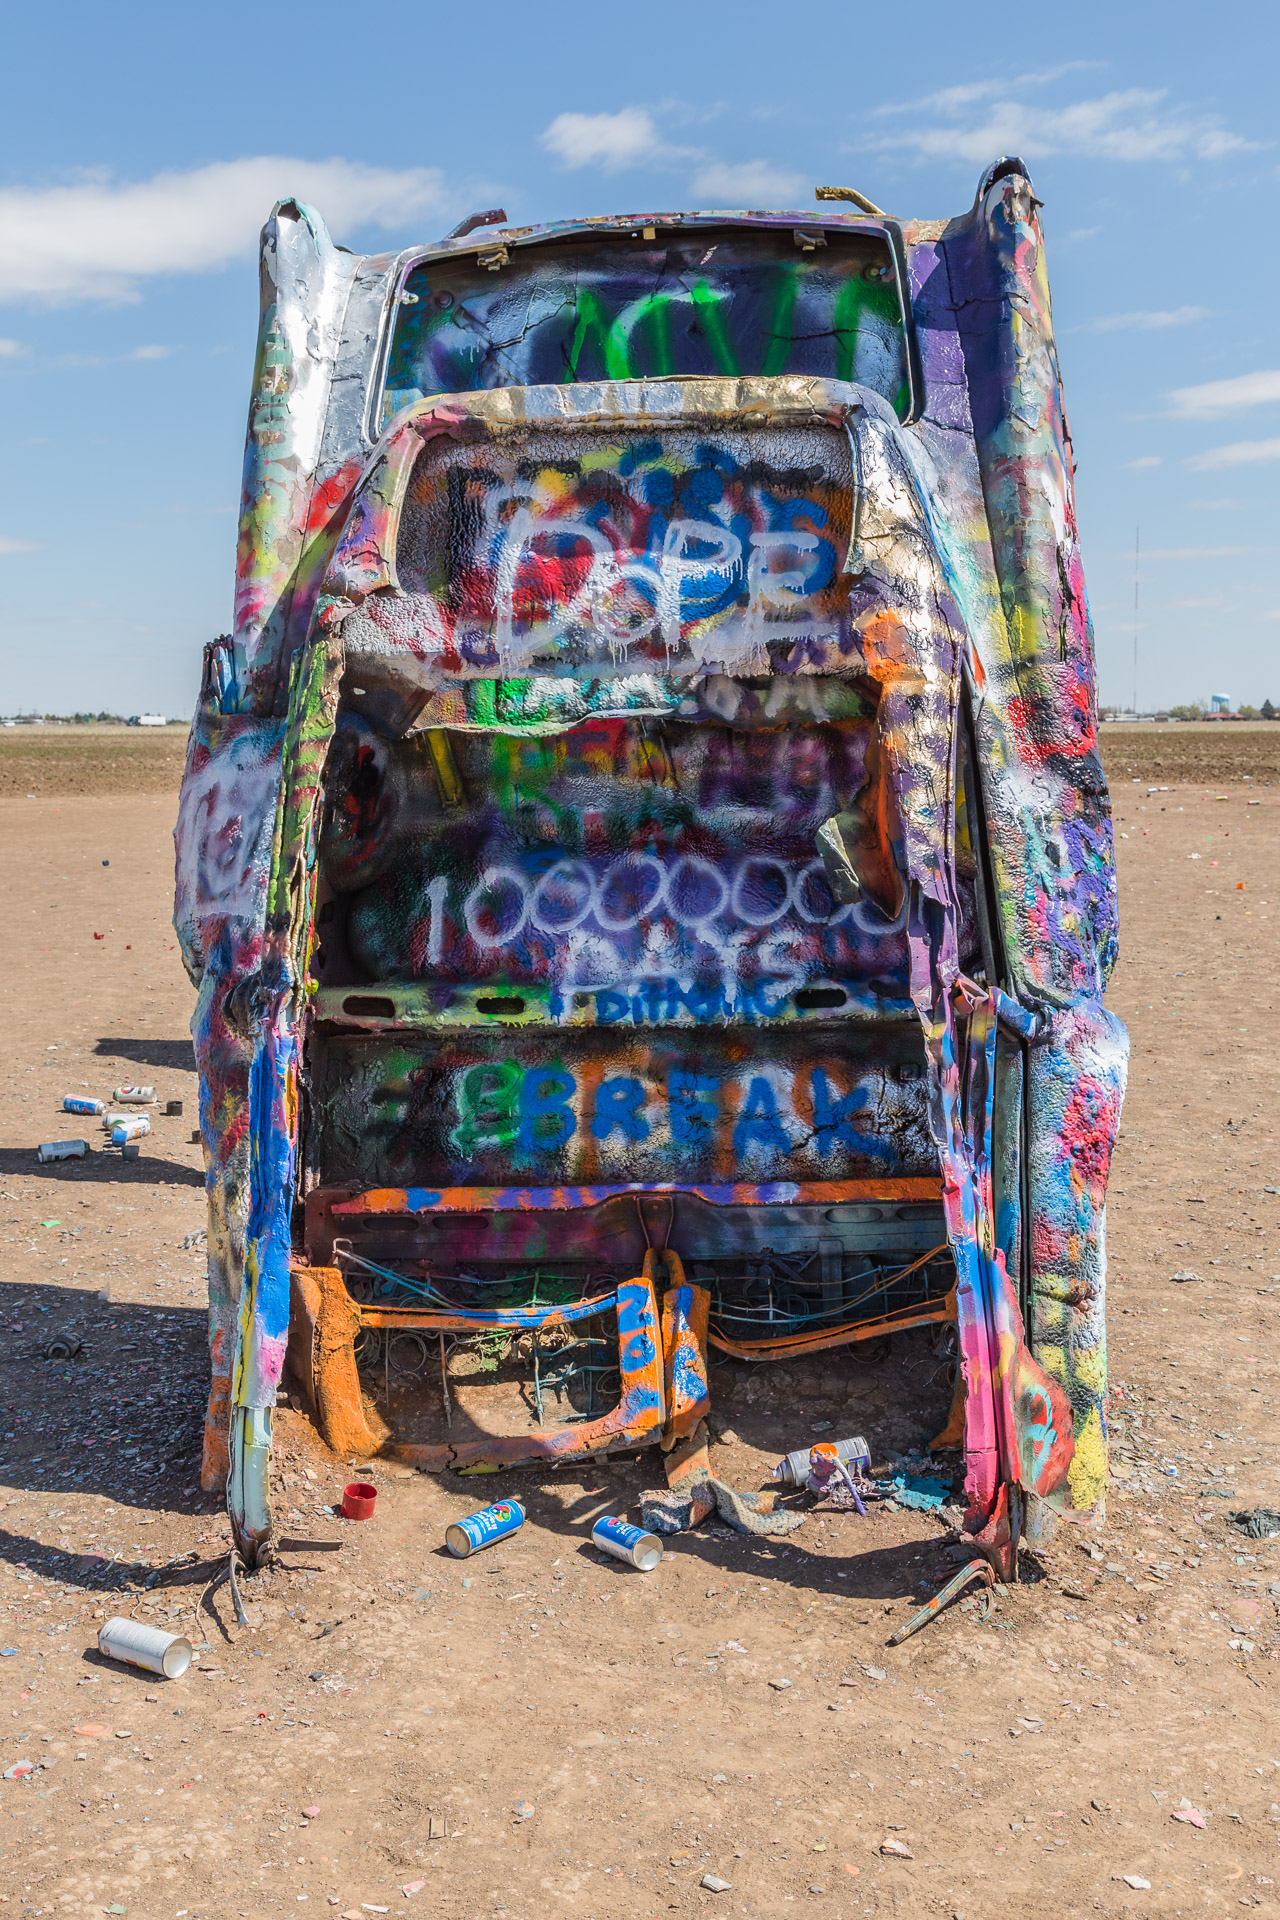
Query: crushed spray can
pixel 134 1096
pixel 794 1470
pixel 625 1542
pixel 131 1128
pixel 81 1103
pixel 483 1529
pixel 61 1150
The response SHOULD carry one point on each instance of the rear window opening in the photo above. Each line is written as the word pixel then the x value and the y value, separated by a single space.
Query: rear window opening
pixel 711 302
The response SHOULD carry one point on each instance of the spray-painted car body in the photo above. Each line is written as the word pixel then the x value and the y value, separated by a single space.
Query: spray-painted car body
pixel 648 816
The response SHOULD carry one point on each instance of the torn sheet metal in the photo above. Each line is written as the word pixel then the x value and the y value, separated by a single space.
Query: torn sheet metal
pixel 654 782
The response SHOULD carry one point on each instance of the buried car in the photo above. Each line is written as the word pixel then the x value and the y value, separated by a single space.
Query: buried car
pixel 643 851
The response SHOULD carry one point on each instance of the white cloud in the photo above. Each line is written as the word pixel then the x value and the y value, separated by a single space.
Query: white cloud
pixel 1148 322
pixel 1227 396
pixel 1144 460
pixel 749 183
pixel 10 349
pixel 975 123
pixel 632 138
pixel 149 353
pixel 97 238
pixel 610 141
pixel 8 545
pixel 1240 453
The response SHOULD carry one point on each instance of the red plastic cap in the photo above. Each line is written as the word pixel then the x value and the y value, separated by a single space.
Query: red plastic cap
pixel 358 1500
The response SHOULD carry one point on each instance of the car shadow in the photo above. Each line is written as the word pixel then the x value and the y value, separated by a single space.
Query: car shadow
pixel 122 1419
pixel 172 1056
pixel 100 1167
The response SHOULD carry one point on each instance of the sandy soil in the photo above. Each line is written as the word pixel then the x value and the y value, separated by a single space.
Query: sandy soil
pixel 538 1732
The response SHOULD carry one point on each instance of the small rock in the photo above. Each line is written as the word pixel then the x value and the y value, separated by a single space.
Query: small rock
pixel 896 1849
pixel 780 1685
pixel 875 1673
pixel 1190 1815
pixel 1136 1881
pixel 311 1813
pixel 1184 1275
pixel 523 1810
pixel 714 1884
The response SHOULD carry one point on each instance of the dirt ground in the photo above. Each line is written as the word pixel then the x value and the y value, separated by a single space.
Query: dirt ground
pixel 539 1732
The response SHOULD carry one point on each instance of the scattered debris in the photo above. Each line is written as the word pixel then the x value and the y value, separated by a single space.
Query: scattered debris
pixel 923 1492
pixel 359 1500
pixel 896 1850
pixel 1185 1274
pixel 625 1542
pixel 61 1150
pixel 714 1884
pixel 483 1529
pixel 137 1645
pixel 1258 1523
pixel 63 1346
pixel 794 1469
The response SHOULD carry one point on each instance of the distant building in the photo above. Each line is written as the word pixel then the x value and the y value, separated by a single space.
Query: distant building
pixel 148 720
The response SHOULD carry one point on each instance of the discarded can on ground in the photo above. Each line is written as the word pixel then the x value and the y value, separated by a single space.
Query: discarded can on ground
pixel 625 1542
pixel 134 1096
pixel 141 1646
pixel 131 1129
pixel 482 1529
pixel 81 1103
pixel 358 1500
pixel 174 1109
pixel 794 1470
pixel 62 1150
pixel 130 1150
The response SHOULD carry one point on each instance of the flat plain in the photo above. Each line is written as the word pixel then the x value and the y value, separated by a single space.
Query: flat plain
pixel 540 1732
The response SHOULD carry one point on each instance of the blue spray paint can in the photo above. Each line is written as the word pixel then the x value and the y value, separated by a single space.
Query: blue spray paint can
pixel 625 1542
pixel 483 1529
pixel 61 1150
pixel 81 1103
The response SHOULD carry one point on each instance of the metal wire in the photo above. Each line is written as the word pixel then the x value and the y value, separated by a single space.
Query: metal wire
pixel 802 1314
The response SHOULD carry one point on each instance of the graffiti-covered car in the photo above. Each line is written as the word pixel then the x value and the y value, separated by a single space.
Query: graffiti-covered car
pixel 643 850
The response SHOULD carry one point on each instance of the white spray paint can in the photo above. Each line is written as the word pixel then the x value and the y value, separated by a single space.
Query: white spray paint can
pixel 130 1129
pixel 134 1096
pixel 141 1646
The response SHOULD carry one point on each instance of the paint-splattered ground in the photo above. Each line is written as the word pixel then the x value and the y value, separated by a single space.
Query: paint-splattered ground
pixel 539 1733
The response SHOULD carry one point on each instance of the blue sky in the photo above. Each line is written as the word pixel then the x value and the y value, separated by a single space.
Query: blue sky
pixel 143 147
